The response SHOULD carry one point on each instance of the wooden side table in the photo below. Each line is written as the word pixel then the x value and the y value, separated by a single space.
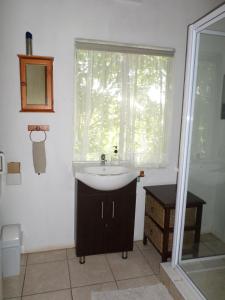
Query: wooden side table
pixel 160 215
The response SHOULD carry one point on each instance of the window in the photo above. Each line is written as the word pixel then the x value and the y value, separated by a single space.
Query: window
pixel 122 99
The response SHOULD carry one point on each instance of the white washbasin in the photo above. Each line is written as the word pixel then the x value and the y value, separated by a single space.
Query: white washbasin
pixel 106 178
pixel 107 170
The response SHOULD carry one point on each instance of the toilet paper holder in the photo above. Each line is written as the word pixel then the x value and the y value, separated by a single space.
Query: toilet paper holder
pixel 2 163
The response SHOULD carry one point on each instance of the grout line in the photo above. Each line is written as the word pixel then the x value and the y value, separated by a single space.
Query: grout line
pixel 138 277
pixel 137 248
pixel 93 284
pixel 208 248
pixel 203 258
pixel 25 272
pixel 45 292
pixel 107 261
pixel 47 262
pixel 86 285
pixel 67 260
pixel 26 260
pixel 142 253
pixel 212 249
pixel 151 249
pixel 210 269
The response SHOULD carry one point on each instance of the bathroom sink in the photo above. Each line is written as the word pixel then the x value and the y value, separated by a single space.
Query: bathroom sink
pixel 106 170
pixel 106 178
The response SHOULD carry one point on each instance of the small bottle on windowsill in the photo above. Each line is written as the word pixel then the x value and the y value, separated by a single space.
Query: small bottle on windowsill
pixel 115 158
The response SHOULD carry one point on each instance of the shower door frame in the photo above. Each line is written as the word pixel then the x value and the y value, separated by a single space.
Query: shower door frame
pixel 186 132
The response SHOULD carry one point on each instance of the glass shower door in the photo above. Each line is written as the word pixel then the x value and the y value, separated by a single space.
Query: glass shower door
pixel 206 174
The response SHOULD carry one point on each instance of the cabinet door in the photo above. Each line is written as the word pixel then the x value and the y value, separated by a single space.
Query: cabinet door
pixel 90 221
pixel 119 228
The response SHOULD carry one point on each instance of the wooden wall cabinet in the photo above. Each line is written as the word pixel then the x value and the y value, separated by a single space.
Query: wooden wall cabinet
pixel 36 83
pixel 104 219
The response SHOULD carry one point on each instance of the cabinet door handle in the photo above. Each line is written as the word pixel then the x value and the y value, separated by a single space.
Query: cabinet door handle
pixel 102 210
pixel 113 209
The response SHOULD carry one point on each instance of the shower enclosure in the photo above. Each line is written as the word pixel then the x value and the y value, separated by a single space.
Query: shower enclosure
pixel 202 156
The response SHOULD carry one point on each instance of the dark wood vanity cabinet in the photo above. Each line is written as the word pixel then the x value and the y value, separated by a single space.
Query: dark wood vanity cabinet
pixel 104 219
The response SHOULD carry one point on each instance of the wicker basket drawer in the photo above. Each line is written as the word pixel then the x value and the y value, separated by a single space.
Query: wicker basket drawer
pixel 190 217
pixel 154 233
pixel 155 210
pixel 188 240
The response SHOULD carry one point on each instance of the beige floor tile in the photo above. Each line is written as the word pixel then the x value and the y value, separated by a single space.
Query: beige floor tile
pixel 71 253
pixel 95 270
pixel 84 293
pixel 214 263
pixel 210 283
pixel 204 251
pixel 135 247
pixel 134 266
pixel 206 237
pixel 210 264
pixel 48 256
pixel 141 246
pixel 154 259
pixel 217 247
pixel 59 295
pixel 137 282
pixel 23 259
pixel 46 277
pixel 12 286
pixel 192 266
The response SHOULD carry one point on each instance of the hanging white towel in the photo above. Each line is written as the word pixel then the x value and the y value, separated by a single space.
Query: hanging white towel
pixel 39 157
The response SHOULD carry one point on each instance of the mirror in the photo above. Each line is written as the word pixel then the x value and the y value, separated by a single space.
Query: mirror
pixel 36 81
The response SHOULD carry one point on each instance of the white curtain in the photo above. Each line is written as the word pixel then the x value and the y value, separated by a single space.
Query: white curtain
pixel 122 100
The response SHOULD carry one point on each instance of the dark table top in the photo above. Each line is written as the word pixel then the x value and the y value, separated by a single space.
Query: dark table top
pixel 166 195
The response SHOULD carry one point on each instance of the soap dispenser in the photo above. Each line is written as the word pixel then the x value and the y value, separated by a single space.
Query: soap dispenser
pixel 115 154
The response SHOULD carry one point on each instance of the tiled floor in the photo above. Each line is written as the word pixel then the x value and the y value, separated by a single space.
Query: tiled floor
pixel 208 273
pixel 58 275
pixel 209 245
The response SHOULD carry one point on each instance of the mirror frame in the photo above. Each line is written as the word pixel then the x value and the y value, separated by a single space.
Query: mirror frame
pixel 36 60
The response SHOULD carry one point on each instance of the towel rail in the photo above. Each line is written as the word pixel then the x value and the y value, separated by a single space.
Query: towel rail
pixel 38 127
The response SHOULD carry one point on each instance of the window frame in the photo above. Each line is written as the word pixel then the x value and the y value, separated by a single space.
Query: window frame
pixel 85 44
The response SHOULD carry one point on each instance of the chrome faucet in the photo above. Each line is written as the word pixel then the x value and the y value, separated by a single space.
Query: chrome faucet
pixel 103 160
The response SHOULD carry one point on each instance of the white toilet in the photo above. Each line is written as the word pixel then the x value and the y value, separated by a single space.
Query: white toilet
pixel 11 239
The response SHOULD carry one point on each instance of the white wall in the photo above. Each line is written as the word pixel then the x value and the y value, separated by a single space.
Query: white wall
pixel 44 204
